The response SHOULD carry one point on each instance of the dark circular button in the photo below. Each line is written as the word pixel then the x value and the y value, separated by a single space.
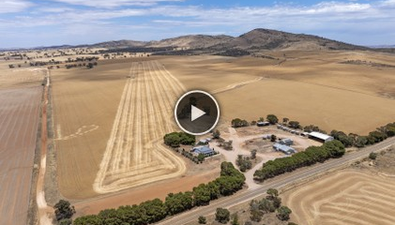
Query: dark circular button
pixel 196 112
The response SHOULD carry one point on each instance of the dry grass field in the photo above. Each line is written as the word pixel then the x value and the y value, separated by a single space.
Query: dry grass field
pixel 19 120
pixel 345 197
pixel 310 87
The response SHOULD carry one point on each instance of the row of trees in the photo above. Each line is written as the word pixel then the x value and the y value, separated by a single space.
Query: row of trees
pixel 174 139
pixel 310 156
pixel 380 134
pixel 230 181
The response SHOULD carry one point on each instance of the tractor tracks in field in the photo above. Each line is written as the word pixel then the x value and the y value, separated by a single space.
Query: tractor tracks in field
pixel 135 154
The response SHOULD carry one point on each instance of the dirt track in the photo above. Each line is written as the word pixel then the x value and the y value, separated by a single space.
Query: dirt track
pixel 134 154
pixel 345 197
pixel 19 117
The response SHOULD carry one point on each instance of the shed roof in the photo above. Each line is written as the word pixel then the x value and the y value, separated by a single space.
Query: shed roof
pixel 320 135
pixel 283 148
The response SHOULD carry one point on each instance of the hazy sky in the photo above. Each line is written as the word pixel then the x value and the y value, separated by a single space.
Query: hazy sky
pixel 28 23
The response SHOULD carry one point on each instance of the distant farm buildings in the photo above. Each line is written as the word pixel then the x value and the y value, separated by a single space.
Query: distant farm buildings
pixel 284 148
pixel 205 150
pixel 320 137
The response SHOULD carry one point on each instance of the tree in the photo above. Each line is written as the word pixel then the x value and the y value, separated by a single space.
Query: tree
pixel 63 210
pixel 216 134
pixel 285 120
pixel 202 220
pixel 202 195
pixel 256 215
pixel 373 156
pixel 235 220
pixel 272 193
pixel 294 124
pixel 222 215
pixel 239 123
pixel 273 138
pixel 283 213
pixel 272 119
pixel 201 157
pixel 253 154
pixel 172 139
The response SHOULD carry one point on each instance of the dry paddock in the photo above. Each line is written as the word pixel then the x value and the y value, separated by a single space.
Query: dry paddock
pixel 344 197
pixel 19 120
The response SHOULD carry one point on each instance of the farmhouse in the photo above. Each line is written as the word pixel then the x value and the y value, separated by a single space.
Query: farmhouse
pixel 284 148
pixel 320 137
pixel 205 150
pixel 287 142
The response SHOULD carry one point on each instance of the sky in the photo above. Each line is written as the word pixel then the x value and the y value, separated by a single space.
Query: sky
pixel 33 23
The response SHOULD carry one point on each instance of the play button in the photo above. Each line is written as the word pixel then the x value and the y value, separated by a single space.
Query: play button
pixel 196 112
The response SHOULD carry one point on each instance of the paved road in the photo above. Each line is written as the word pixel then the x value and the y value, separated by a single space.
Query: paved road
pixel 277 183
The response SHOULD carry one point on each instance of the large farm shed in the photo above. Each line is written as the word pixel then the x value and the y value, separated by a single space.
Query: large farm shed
pixel 320 137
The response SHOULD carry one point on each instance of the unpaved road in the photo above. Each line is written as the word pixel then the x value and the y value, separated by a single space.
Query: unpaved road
pixel 277 183
pixel 43 209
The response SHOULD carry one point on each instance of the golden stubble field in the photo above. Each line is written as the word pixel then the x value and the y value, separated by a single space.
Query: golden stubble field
pixel 310 87
pixel 109 127
pixel 344 197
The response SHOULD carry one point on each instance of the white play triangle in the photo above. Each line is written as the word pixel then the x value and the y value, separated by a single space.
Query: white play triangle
pixel 196 113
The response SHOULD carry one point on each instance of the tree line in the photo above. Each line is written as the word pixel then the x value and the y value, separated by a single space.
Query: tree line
pixel 310 156
pixel 229 182
pixel 359 141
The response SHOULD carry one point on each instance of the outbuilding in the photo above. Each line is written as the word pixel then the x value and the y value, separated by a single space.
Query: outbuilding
pixel 286 141
pixel 320 137
pixel 262 123
pixel 284 148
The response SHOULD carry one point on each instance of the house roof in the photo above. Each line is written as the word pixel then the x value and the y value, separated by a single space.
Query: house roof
pixel 203 150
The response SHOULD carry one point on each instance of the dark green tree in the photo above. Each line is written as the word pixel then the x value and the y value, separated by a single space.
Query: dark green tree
pixel 283 213
pixel 272 119
pixel 222 215
pixel 202 220
pixel 63 210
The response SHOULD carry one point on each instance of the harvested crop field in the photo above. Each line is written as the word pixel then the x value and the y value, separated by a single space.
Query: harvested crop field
pixel 310 87
pixel 344 197
pixel 109 125
pixel 19 120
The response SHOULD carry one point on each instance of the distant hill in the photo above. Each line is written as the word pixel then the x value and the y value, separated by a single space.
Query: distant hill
pixel 119 44
pixel 251 42
pixel 191 41
pixel 265 39
pixel 255 40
